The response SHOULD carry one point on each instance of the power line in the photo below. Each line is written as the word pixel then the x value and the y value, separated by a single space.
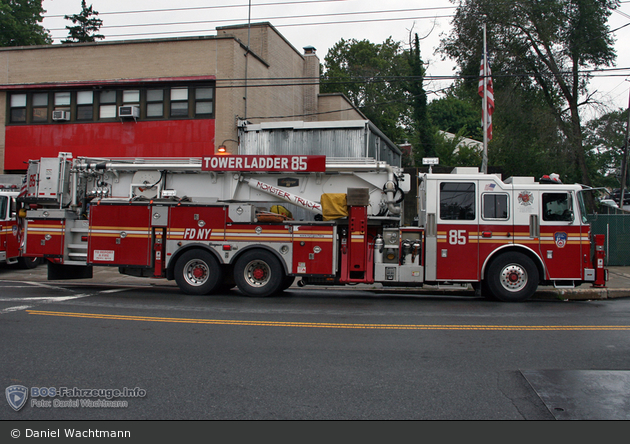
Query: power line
pixel 306 81
pixel 336 14
pixel 305 16
pixel 345 22
pixel 232 6
pixel 623 14
pixel 193 8
pixel 352 108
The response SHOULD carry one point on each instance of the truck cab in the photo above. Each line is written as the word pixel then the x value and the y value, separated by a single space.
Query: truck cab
pixel 9 242
pixel 509 236
pixel 11 230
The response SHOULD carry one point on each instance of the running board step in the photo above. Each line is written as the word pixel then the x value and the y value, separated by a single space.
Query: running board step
pixel 562 285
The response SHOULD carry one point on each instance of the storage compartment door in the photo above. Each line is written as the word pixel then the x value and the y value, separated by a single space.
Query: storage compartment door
pixel 120 235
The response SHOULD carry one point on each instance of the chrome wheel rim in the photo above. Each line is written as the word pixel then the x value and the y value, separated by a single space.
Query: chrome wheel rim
pixel 257 273
pixel 513 277
pixel 196 272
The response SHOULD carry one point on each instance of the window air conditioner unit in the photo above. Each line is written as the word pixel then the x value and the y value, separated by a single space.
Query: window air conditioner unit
pixel 61 115
pixel 129 111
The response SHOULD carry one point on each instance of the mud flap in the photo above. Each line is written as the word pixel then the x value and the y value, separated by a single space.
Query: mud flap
pixel 60 271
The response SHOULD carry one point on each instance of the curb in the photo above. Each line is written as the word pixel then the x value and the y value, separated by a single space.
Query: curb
pixel 583 294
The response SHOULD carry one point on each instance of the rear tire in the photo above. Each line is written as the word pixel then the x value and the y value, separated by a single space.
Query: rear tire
pixel 197 272
pixel 512 277
pixel 28 263
pixel 259 273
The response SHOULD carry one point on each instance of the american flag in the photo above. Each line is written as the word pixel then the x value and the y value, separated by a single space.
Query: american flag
pixel 484 74
pixel 24 188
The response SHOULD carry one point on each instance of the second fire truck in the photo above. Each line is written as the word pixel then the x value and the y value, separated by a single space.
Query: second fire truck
pixel 10 230
pixel 260 222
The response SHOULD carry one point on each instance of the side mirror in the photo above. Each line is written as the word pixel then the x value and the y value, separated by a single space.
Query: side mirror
pixel 568 216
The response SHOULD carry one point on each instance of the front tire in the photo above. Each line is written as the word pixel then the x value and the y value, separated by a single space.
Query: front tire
pixel 197 272
pixel 512 277
pixel 259 273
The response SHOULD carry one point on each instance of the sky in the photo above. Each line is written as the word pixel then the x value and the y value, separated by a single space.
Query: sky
pixel 322 23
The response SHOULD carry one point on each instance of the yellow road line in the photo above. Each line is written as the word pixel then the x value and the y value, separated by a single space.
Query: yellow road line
pixel 335 325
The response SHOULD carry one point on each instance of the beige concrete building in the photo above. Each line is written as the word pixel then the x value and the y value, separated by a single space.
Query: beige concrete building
pixel 178 97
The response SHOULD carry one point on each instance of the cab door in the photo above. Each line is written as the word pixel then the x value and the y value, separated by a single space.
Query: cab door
pixel 561 236
pixel 14 230
pixel 457 255
pixel 9 234
pixel 496 223
pixel 4 226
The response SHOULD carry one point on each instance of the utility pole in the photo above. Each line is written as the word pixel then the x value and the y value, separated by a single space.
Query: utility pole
pixel 249 28
pixel 624 159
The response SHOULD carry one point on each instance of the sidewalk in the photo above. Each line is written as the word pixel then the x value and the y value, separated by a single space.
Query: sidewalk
pixel 617 286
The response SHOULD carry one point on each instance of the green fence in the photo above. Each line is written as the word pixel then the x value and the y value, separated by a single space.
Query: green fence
pixel 616 227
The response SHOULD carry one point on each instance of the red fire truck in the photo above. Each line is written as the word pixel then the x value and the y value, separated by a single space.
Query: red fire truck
pixel 10 231
pixel 260 221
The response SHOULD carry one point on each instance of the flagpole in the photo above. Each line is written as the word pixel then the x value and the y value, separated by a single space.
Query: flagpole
pixel 484 157
pixel 624 161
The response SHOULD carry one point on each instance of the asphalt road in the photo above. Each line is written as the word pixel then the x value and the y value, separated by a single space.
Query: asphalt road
pixel 308 354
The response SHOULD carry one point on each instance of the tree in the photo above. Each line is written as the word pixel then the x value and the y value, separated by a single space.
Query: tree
pixel 604 142
pixel 453 114
pixel 526 139
pixel 386 82
pixel 454 151
pixel 423 131
pixel 19 23
pixel 369 75
pixel 85 28
pixel 545 46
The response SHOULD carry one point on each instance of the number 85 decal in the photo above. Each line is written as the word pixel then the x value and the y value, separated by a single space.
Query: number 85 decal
pixel 457 237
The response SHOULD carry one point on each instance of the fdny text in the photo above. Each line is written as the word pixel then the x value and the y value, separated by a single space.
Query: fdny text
pixel 197 233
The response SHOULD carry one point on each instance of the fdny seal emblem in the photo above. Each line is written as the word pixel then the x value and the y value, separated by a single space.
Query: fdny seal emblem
pixel 525 198
pixel 16 396
pixel 560 238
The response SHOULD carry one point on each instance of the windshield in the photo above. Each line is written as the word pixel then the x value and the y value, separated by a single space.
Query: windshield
pixel 583 212
pixel 422 204
pixel 3 207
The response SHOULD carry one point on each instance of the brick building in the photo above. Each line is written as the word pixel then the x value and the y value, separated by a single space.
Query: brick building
pixel 179 97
